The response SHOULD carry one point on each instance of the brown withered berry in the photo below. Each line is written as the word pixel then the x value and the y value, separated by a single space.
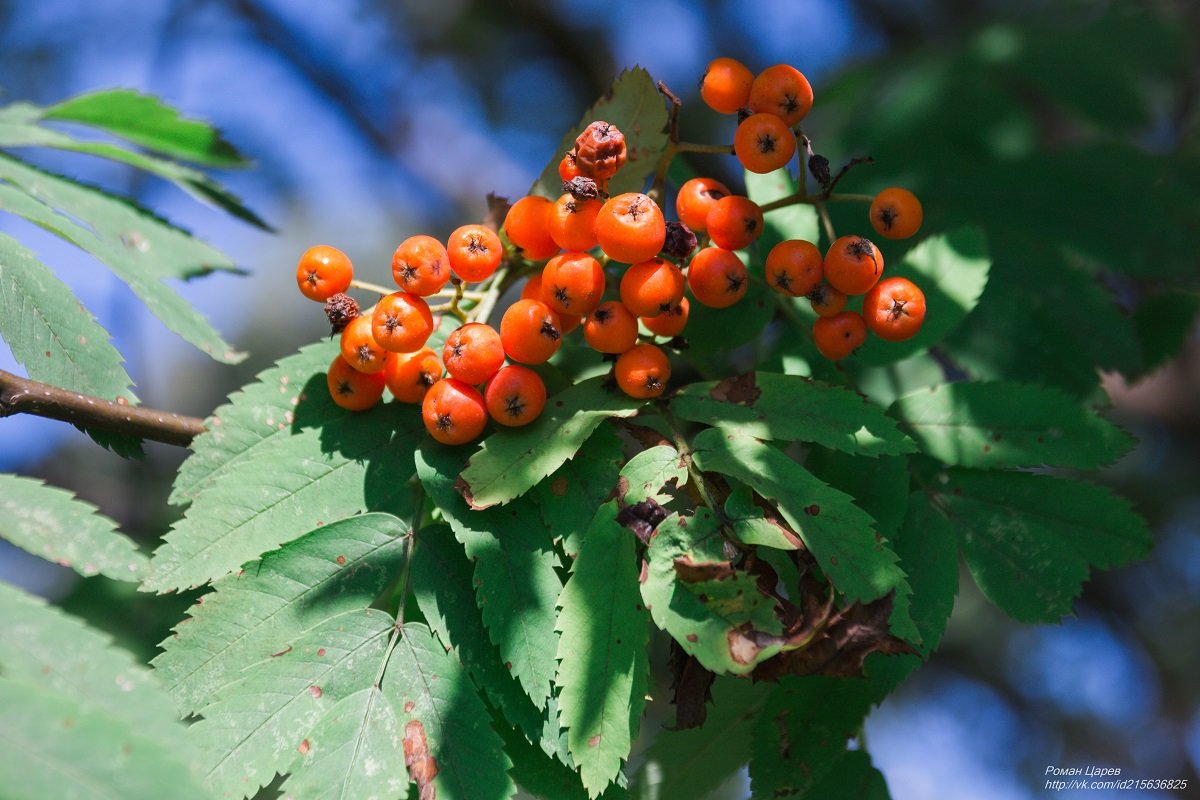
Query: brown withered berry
pixel 600 151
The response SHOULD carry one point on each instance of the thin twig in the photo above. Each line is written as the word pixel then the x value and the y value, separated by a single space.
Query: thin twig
pixel 372 287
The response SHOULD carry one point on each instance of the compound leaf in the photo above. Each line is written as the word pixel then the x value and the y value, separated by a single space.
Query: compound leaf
pixel 570 496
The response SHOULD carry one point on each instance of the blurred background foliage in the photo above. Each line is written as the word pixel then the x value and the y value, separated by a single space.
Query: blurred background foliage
pixel 1069 130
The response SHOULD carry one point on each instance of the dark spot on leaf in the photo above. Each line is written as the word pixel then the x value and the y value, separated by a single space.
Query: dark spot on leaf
pixel 691 637
pixel 742 390
pixel 320 651
pixel 315 691
pixel 812 510
pixel 304 747
pixel 408 706
pixel 594 741
pixel 341 560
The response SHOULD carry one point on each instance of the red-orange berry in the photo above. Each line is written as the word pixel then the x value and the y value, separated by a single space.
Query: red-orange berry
pixel 725 86
pixel 531 331
pixel 572 222
pixel 532 290
pixel 359 347
pixel 572 283
pixel 840 335
pixel 527 226
pixel 781 90
pixel 420 265
pixel 351 389
pixel 474 252
pixel 650 287
pixel 611 328
pixel 669 323
pixel 717 277
pixel 630 227
pixel 695 200
pixel 794 267
pixel 516 396
pixel 894 309
pixel 826 300
pixel 642 371
pixel 600 151
pixel 569 322
pixel 853 264
pixel 764 143
pixel 473 353
pixel 409 375
pixel 734 222
pixel 323 271
pixel 453 411
pixel 896 213
pixel 568 170
pixel 401 322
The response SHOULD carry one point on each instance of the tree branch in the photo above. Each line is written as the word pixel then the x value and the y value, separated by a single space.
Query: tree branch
pixel 23 396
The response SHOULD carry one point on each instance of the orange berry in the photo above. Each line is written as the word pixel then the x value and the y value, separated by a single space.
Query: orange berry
pixel 401 323
pixel 669 323
pixel 840 335
pixel 826 300
pixel 630 227
pixel 896 213
pixel 532 290
pixel 420 265
pixel 531 331
pixel 351 389
pixel 734 222
pixel 794 267
pixel 527 227
pixel 572 283
pixel 409 375
pixel 611 328
pixel 572 222
pixel 764 143
pixel 567 168
pixel 323 271
pixel 717 277
pixel 642 371
pixel 453 411
pixel 894 309
pixel 569 323
pixel 695 199
pixel 474 252
pixel 359 347
pixel 725 86
pixel 650 287
pixel 853 264
pixel 781 90
pixel 516 396
pixel 473 353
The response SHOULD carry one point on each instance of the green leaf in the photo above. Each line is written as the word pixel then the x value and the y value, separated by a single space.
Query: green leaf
pixel 842 537
pixel 540 775
pixel 147 121
pixel 353 462
pixel 261 722
pixel 767 405
pixel 604 669
pixel 516 584
pixel 55 525
pixel 751 525
pixel 853 775
pixel 1030 540
pixel 999 424
pixel 256 417
pixel 648 473
pixel 428 686
pixel 1162 323
pixel 879 486
pixel 795 221
pixel 139 248
pixel 249 617
pixel 634 105
pixel 49 332
pixel 951 269
pixel 511 462
pixel 570 496
pixel 719 330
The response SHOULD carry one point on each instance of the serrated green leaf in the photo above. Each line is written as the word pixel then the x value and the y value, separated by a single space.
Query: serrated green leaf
pixel 351 463
pixel 538 774
pixel 511 462
pixel 999 424
pixel 648 473
pixel 604 669
pixel 951 269
pixel 1162 323
pixel 249 617
pixel 852 775
pixel 147 121
pixel 751 526
pixel 879 486
pixel 260 722
pixel 634 105
pixel 767 405
pixel 255 416
pixel 49 332
pixel 842 537
pixel 516 584
pixel 139 248
pixel 428 686
pixel 55 525
pixel 570 496
pixel 1031 540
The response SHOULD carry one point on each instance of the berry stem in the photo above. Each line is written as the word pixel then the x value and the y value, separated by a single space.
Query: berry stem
pixel 696 147
pixel 802 198
pixel 856 198
pixel 826 222
pixel 367 286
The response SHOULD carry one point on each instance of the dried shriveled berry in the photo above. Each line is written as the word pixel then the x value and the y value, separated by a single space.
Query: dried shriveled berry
pixel 680 241
pixel 600 151
pixel 341 309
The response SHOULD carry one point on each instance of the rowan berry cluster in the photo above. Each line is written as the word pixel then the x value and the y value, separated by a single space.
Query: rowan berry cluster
pixel 586 237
